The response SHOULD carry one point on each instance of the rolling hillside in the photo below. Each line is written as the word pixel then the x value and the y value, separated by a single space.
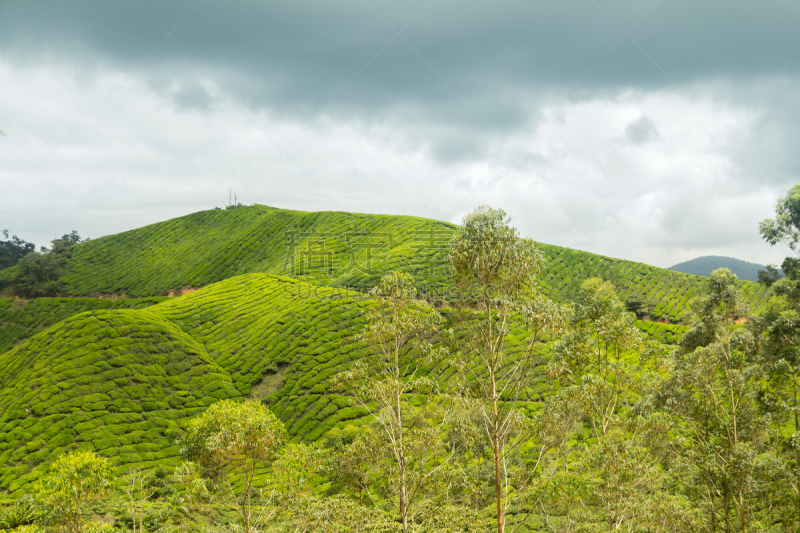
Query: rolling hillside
pixel 119 381
pixel 118 376
pixel 112 381
pixel 20 319
pixel 338 250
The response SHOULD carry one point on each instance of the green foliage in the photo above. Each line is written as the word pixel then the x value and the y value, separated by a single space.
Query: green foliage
pixel 785 227
pixel 406 450
pixel 13 249
pixel 614 479
pixel 37 274
pixel 501 267
pixel 590 357
pixel 22 513
pixel 713 389
pixel 231 441
pixel 73 482
pixel 232 437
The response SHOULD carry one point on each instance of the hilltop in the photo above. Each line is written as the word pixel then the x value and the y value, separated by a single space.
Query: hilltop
pixel 703 266
pixel 336 249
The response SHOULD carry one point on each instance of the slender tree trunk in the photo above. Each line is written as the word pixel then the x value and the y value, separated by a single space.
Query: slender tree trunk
pixel 401 459
pixel 141 508
pixel 403 496
pixel 727 505
pixel 798 485
pixel 796 429
pixel 495 416
pixel 496 451
pixel 742 517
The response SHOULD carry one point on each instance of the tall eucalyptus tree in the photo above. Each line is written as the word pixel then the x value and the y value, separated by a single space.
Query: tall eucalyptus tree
pixel 498 269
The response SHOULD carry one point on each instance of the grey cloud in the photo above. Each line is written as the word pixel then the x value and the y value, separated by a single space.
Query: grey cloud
pixel 642 131
pixel 193 97
pixel 303 53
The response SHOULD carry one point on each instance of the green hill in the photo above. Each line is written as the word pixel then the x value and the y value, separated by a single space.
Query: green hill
pixel 335 249
pixel 329 248
pixel 118 381
pixel 112 381
pixel 665 292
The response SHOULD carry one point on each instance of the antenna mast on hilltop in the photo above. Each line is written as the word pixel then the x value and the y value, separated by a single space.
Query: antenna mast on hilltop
pixel 234 203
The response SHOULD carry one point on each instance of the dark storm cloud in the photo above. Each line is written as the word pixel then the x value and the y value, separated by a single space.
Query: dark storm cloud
pixel 297 56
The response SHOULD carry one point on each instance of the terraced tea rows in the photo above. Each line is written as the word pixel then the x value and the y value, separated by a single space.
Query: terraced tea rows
pixel 665 292
pixel 117 382
pixel 328 248
pixel 287 336
pixel 336 249
pixel 665 333
pixel 20 319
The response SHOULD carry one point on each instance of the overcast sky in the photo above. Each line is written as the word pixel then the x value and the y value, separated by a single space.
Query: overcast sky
pixel 656 131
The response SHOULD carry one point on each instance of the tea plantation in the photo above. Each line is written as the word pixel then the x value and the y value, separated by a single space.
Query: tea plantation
pixel 119 376
pixel 114 381
pixel 328 248
pixel 336 249
pixel 20 319
pixel 665 293
pixel 119 381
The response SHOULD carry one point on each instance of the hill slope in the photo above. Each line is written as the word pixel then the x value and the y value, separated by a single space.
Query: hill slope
pixel 335 249
pixel 111 381
pixel 120 381
pixel 21 319
pixel 703 266
pixel 328 248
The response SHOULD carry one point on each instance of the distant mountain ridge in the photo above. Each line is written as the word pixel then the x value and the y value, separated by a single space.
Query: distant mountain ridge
pixel 703 266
